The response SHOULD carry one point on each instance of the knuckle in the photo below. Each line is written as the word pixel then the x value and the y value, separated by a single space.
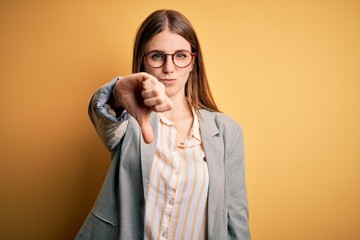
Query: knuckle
pixel 161 100
pixel 156 108
pixel 156 92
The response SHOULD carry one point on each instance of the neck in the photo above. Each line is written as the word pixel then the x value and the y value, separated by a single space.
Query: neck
pixel 181 109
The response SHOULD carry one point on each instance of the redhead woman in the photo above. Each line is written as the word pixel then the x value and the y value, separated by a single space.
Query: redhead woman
pixel 177 169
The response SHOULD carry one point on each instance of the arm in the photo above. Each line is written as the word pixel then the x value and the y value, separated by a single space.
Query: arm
pixel 238 213
pixel 110 122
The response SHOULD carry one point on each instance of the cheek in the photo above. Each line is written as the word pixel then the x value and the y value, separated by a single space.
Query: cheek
pixel 187 71
pixel 152 71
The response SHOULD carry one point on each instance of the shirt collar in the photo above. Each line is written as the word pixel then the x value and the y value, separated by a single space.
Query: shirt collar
pixel 194 133
pixel 195 129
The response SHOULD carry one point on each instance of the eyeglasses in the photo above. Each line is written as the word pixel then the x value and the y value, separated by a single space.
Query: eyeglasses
pixel 181 59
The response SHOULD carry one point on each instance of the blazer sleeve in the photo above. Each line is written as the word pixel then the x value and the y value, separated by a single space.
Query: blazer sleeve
pixel 238 214
pixel 110 127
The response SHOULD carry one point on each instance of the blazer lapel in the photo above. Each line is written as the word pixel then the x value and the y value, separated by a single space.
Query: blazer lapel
pixel 147 154
pixel 214 153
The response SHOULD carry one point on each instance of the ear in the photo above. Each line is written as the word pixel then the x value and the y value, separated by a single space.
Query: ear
pixel 192 66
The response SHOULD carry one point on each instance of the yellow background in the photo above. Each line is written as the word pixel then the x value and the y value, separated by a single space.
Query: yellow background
pixel 288 71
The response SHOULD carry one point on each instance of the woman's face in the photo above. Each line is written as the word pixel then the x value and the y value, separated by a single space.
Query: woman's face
pixel 173 77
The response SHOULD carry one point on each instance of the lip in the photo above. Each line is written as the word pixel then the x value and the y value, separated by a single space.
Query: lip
pixel 168 80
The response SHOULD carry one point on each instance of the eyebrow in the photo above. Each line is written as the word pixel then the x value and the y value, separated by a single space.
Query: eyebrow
pixel 179 50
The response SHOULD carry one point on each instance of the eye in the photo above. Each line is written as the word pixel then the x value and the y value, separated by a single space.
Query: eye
pixel 157 56
pixel 181 55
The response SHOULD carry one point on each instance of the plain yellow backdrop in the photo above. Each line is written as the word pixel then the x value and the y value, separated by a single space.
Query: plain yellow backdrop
pixel 287 71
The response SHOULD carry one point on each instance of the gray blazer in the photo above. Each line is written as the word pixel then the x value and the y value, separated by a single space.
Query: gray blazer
pixel 118 212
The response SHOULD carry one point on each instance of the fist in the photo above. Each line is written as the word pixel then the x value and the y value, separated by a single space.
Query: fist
pixel 140 94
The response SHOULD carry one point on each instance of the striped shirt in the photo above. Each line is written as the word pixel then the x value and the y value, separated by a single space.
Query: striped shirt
pixel 177 198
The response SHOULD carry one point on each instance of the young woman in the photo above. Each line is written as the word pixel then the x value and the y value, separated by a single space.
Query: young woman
pixel 177 168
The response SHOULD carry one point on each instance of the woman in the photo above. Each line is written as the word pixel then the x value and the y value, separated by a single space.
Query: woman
pixel 177 168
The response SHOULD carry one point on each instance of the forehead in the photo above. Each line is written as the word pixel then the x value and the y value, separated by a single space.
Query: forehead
pixel 168 42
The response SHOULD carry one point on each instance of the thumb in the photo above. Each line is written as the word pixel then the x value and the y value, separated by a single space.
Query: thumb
pixel 146 129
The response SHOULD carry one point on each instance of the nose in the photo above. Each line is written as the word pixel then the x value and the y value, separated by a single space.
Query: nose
pixel 169 65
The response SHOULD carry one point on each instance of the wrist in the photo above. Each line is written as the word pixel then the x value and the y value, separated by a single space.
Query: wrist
pixel 114 100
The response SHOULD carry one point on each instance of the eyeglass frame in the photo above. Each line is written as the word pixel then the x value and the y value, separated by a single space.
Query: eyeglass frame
pixel 193 55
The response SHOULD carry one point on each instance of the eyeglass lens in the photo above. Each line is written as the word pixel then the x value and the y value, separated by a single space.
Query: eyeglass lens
pixel 157 59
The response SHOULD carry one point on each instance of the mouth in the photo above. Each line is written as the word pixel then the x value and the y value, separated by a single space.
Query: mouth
pixel 167 81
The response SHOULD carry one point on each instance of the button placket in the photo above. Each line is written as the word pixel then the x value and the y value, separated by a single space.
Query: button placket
pixel 164 234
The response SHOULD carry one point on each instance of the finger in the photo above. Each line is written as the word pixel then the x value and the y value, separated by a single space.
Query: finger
pixel 151 92
pixel 146 130
pixel 151 102
pixel 163 107
pixel 149 82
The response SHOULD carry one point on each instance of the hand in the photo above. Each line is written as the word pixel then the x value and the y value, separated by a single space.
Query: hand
pixel 140 94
